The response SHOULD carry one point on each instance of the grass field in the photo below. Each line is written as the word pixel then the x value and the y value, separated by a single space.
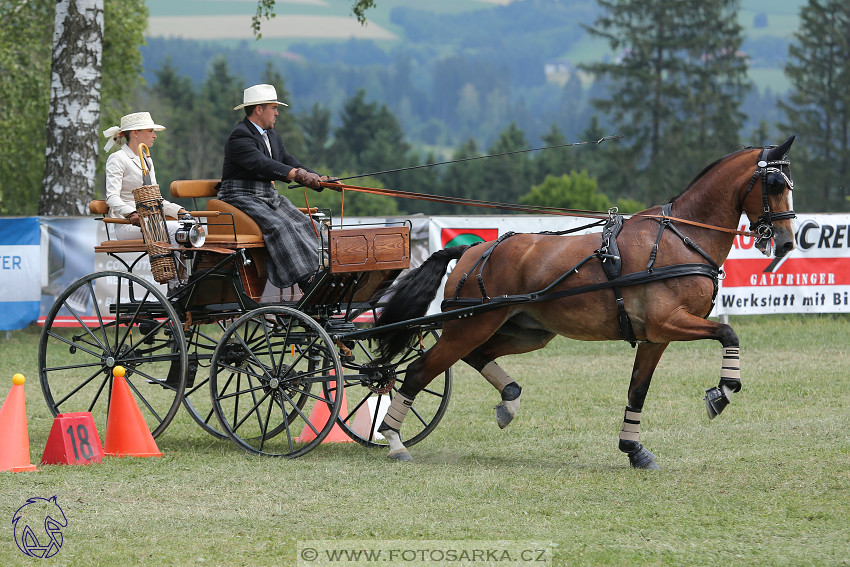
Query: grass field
pixel 766 483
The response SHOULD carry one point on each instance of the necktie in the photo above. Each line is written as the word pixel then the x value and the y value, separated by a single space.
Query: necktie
pixel 266 140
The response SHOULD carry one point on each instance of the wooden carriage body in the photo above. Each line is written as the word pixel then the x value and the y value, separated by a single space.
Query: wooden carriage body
pixel 359 259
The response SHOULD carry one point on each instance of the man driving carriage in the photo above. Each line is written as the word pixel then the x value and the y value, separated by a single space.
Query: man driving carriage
pixel 254 158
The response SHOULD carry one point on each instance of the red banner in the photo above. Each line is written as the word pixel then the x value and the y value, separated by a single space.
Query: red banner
pixel 462 236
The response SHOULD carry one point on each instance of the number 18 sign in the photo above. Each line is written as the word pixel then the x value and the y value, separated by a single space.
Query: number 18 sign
pixel 73 440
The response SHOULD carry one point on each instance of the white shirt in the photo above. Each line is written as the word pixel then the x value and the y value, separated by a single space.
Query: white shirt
pixel 123 174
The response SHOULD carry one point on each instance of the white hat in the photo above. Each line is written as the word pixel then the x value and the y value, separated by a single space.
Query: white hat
pixel 259 94
pixel 139 121
pixel 134 121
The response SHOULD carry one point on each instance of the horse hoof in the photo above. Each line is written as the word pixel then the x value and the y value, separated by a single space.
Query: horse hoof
pixel 506 412
pixel 402 455
pixel 715 402
pixel 503 416
pixel 643 459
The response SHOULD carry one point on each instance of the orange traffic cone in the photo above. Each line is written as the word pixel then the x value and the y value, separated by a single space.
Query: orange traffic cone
pixel 15 441
pixel 127 433
pixel 319 418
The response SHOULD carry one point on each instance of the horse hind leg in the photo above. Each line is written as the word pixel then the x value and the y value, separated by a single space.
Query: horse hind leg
pixel 509 340
pixel 508 388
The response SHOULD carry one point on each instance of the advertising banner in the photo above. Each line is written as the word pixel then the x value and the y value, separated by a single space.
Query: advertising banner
pixel 813 278
pixel 458 230
pixel 20 272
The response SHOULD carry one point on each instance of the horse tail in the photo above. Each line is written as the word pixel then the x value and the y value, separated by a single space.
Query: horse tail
pixel 410 298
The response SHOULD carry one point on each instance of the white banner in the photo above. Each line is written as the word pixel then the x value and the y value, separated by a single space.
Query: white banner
pixel 814 278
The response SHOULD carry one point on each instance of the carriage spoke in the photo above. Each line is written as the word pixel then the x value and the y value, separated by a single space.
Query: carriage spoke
pixel 284 355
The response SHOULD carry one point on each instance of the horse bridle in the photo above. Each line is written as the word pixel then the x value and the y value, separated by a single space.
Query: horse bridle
pixel 762 227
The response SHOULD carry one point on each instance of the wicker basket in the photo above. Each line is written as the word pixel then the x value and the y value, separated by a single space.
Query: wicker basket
pixel 152 220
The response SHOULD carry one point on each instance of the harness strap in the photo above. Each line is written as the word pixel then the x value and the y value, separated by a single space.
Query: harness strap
pixel 666 210
pixel 479 265
pixel 612 265
pixel 636 278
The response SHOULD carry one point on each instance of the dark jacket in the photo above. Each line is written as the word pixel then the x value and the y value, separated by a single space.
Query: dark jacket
pixel 246 156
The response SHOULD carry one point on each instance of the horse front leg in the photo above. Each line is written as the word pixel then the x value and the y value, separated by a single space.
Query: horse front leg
pixel 646 359
pixel 717 398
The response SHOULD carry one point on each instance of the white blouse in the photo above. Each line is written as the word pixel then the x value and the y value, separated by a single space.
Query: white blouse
pixel 123 174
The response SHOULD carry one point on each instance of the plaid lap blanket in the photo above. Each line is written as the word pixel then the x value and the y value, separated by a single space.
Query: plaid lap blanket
pixel 289 235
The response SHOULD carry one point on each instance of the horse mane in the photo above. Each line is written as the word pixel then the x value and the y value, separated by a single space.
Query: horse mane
pixel 705 170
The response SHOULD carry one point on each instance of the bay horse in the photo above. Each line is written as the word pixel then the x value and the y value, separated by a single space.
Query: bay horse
pixel 532 287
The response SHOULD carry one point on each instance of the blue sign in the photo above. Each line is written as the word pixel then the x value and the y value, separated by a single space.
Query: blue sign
pixel 20 272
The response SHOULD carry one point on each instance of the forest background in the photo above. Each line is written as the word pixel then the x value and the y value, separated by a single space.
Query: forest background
pixel 451 80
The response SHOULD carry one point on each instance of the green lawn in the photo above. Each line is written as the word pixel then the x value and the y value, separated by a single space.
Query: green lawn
pixel 766 483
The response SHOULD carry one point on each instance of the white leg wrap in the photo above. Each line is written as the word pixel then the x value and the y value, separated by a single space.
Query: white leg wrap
pixel 496 376
pixel 731 367
pixel 631 426
pixel 397 411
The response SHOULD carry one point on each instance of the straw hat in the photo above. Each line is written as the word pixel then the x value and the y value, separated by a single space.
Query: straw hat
pixel 134 121
pixel 259 94
pixel 139 121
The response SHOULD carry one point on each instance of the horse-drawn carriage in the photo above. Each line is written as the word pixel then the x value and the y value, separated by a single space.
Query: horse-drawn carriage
pixel 271 369
pixel 280 371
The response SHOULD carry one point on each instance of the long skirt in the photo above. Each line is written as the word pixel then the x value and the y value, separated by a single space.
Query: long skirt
pixel 289 234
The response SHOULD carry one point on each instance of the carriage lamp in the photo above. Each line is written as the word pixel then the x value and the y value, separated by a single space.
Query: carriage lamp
pixel 191 232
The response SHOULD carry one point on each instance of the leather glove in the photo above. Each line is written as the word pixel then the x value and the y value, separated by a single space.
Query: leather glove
pixel 333 180
pixel 308 179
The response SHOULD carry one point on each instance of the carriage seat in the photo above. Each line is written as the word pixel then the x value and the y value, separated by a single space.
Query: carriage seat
pixel 241 230
pixel 99 207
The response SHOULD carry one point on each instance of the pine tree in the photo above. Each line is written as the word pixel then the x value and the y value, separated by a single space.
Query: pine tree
pixel 675 86
pixel 818 108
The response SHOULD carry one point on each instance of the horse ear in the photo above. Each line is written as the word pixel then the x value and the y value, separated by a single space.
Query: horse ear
pixel 781 150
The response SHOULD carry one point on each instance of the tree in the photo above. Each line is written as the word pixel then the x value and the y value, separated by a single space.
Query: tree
pixel 265 11
pixel 574 190
pixel 818 108
pixel 675 86
pixel 316 128
pixel 507 177
pixel 71 154
pixel 26 40
pixel 465 177
pixel 369 138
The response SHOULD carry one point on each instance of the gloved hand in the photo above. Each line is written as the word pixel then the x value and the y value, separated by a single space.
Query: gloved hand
pixel 333 180
pixel 308 179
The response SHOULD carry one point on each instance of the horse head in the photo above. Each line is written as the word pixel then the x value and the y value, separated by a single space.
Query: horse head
pixel 771 210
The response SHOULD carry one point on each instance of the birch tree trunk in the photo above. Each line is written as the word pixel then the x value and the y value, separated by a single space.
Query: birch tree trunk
pixel 72 125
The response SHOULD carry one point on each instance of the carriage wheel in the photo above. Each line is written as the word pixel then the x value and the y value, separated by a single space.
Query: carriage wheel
pixel 110 319
pixel 273 381
pixel 201 341
pixel 369 389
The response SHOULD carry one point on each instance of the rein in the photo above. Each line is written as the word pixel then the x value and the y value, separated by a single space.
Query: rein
pixel 525 208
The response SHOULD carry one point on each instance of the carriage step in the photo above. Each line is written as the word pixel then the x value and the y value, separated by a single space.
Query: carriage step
pixel 174 376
